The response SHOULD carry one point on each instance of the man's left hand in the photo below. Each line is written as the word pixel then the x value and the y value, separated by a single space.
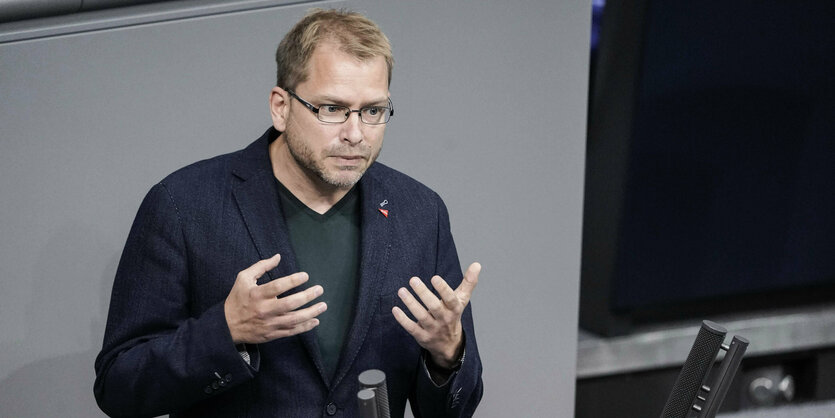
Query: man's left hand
pixel 438 327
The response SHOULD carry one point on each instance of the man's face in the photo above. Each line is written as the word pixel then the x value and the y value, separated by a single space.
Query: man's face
pixel 335 154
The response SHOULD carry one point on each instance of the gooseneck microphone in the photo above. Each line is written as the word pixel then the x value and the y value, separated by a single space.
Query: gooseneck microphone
pixel 693 375
pixel 373 396
pixel 692 396
pixel 368 403
pixel 725 375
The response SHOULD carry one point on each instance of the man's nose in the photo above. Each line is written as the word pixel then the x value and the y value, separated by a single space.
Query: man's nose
pixel 352 129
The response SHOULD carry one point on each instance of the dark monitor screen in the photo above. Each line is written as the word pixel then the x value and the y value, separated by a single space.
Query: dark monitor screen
pixel 728 169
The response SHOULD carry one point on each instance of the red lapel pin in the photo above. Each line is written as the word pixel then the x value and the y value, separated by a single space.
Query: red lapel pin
pixel 385 212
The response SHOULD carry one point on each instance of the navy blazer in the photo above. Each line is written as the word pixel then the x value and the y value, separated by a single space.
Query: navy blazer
pixel 167 347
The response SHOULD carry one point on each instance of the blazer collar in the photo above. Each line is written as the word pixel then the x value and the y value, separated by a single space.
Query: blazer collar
pixel 257 199
pixel 254 160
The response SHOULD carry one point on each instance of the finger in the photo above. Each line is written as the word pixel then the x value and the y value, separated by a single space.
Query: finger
pixel 297 300
pixel 255 271
pixel 417 310
pixel 282 284
pixel 465 289
pixel 432 303
pixel 298 329
pixel 293 319
pixel 447 294
pixel 412 327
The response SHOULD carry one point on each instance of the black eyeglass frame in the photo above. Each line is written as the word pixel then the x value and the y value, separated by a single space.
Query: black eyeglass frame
pixel 315 110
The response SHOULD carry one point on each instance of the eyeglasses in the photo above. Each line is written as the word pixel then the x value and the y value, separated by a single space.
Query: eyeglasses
pixel 329 113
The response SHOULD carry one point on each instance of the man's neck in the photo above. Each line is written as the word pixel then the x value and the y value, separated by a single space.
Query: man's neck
pixel 309 189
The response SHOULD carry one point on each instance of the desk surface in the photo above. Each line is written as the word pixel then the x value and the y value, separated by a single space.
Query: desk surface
pixel 812 410
pixel 667 345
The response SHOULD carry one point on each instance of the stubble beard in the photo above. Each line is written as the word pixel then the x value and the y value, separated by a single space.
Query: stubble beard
pixel 305 158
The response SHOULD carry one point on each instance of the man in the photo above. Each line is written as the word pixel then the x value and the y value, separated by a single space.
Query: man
pixel 357 270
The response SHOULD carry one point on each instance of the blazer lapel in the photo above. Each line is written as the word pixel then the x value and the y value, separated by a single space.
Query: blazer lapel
pixel 258 201
pixel 374 256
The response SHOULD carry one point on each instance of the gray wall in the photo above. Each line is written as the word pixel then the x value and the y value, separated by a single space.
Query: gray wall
pixel 490 98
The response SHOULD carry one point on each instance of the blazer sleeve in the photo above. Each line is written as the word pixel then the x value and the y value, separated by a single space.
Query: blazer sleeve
pixel 156 356
pixel 460 395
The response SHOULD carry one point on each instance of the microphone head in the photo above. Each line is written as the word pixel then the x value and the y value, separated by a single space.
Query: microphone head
pixel 375 381
pixel 372 378
pixel 365 395
pixel 367 400
pixel 714 328
pixel 694 371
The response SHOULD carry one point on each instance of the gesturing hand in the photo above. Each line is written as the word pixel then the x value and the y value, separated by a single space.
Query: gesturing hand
pixel 438 326
pixel 255 314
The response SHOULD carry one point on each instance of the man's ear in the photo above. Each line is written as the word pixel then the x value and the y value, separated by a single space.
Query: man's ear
pixel 279 107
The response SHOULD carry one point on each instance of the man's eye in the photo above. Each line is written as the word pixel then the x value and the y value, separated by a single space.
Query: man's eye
pixel 332 108
pixel 373 111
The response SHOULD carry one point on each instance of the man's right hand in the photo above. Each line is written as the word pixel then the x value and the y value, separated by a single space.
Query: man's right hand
pixel 255 314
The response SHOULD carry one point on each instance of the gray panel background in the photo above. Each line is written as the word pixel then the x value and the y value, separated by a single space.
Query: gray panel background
pixel 89 122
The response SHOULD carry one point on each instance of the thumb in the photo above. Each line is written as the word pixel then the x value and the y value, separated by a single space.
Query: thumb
pixel 465 289
pixel 254 272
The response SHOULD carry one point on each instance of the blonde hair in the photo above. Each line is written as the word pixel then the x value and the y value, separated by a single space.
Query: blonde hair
pixel 355 34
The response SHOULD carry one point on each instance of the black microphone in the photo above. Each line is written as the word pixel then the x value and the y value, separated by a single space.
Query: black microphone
pixel 725 375
pixel 368 403
pixel 374 380
pixel 693 375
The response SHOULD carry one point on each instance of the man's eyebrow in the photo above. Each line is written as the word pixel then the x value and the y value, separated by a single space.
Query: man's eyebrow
pixel 335 101
pixel 330 100
pixel 381 102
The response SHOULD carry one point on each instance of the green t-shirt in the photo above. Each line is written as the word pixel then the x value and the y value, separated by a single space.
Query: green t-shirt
pixel 327 247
